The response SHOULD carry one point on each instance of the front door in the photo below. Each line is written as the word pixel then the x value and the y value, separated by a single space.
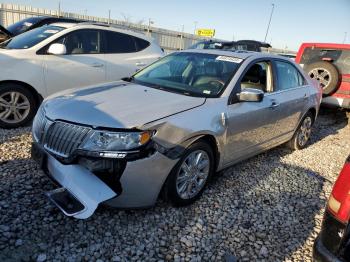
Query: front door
pixel 82 65
pixel 251 125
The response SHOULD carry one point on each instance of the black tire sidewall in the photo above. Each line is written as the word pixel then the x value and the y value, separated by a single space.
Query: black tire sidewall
pixel 12 87
pixel 335 81
pixel 170 185
pixel 294 141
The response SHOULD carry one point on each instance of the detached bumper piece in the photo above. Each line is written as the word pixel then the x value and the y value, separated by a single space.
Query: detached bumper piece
pixel 66 202
pixel 81 184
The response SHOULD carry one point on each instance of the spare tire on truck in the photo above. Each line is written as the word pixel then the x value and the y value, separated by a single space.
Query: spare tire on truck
pixel 326 74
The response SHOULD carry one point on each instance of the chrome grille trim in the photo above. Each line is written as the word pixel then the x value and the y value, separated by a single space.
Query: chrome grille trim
pixel 64 138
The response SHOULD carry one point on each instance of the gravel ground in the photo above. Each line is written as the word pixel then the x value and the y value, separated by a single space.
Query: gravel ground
pixel 268 208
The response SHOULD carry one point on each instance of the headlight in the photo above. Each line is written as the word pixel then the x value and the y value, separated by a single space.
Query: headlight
pixel 116 141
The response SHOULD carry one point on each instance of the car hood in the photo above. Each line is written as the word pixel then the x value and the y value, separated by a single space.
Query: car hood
pixel 117 105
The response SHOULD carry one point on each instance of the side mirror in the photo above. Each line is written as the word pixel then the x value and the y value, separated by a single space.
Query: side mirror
pixel 251 95
pixel 57 49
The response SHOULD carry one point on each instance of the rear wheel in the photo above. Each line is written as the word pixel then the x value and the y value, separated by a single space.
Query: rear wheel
pixel 302 134
pixel 17 106
pixel 326 74
pixel 187 180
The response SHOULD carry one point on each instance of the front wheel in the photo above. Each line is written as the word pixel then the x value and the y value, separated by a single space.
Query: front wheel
pixel 302 134
pixel 187 180
pixel 17 106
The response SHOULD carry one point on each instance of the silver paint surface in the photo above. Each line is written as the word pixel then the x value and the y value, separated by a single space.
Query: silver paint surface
pixel 241 130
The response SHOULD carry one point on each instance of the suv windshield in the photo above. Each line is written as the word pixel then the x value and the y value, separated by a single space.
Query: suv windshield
pixel 23 25
pixel 31 38
pixel 196 74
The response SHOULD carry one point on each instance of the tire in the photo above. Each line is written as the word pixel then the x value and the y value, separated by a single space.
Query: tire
pixel 17 105
pixel 173 185
pixel 304 129
pixel 326 74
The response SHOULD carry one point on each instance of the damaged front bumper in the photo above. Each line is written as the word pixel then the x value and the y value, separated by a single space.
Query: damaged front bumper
pixel 81 190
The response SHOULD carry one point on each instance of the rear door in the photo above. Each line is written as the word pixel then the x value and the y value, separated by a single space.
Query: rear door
pixel 125 54
pixel 82 65
pixel 290 96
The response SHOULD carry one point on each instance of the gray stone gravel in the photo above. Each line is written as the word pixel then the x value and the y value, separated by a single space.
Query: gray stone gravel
pixel 268 208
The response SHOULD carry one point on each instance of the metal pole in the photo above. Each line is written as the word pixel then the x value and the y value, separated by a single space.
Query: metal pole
pixel 149 26
pixel 268 26
pixel 182 38
pixel 195 27
pixel 345 35
pixel 109 16
pixel 59 8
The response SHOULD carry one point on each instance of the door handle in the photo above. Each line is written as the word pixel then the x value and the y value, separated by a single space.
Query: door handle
pixel 274 104
pixel 140 64
pixel 305 97
pixel 97 65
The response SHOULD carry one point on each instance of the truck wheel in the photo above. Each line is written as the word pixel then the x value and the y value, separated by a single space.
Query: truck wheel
pixel 17 106
pixel 187 180
pixel 326 74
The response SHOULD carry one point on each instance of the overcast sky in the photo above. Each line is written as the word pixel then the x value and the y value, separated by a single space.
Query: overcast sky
pixel 293 21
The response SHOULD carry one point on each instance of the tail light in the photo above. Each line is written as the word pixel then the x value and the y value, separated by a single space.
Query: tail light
pixel 339 201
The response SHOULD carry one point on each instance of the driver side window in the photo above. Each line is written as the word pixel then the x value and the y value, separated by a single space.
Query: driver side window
pixel 82 42
pixel 258 76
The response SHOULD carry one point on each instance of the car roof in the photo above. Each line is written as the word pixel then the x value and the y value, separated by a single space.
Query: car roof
pixel 238 54
pixel 64 24
pixel 91 25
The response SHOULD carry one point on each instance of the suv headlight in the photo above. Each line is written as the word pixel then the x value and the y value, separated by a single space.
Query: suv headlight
pixel 116 141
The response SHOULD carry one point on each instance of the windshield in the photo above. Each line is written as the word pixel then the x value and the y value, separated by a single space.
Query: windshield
pixel 23 25
pixel 31 38
pixel 204 75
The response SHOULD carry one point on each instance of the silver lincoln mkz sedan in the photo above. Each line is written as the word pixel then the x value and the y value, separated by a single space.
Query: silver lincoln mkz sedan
pixel 170 127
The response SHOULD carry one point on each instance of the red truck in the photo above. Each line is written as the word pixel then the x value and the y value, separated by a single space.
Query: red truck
pixel 330 65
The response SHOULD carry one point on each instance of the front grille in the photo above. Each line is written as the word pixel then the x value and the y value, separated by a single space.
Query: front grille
pixel 64 138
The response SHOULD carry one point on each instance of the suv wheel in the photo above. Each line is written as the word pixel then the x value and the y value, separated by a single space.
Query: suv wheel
pixel 326 74
pixel 187 180
pixel 17 106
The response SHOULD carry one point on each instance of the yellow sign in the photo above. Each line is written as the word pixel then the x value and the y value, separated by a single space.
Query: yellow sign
pixel 205 32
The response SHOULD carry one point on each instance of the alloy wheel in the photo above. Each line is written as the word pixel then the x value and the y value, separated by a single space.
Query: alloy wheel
pixel 305 131
pixel 193 174
pixel 14 107
pixel 322 75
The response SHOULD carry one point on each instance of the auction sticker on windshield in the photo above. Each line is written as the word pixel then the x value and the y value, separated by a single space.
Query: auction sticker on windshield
pixel 229 59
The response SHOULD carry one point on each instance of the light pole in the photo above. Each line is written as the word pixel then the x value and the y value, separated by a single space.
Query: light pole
pixel 150 22
pixel 182 45
pixel 59 8
pixel 195 26
pixel 345 35
pixel 268 26
pixel 109 16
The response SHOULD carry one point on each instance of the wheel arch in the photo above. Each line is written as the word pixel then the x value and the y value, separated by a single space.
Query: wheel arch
pixel 38 97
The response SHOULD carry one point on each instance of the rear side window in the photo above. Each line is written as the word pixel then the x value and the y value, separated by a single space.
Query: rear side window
pixel 340 58
pixel 141 44
pixel 288 76
pixel 118 43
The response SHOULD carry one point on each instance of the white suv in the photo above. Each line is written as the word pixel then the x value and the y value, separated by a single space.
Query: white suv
pixel 60 56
